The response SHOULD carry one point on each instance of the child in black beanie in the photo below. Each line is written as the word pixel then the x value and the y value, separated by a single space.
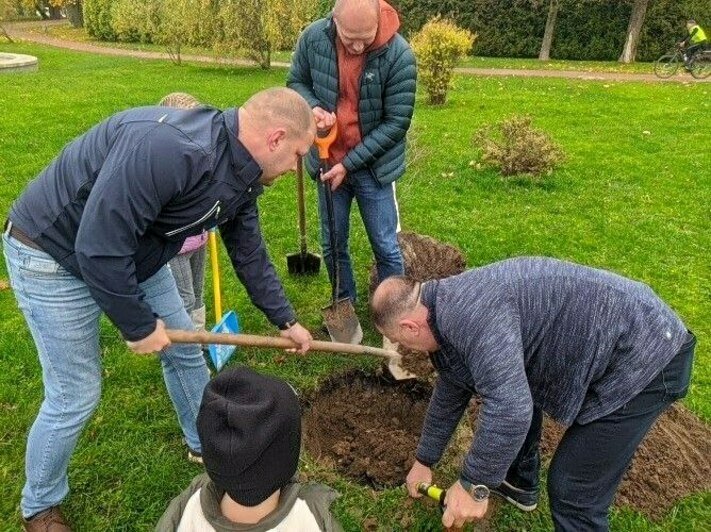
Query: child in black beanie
pixel 250 431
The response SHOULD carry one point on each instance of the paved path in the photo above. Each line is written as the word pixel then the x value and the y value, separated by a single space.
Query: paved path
pixel 22 31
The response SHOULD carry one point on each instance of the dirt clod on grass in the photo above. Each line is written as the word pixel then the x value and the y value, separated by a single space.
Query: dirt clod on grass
pixel 366 427
pixel 672 462
pixel 425 259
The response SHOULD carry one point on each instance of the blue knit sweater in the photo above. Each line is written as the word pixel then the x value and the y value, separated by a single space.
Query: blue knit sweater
pixel 575 341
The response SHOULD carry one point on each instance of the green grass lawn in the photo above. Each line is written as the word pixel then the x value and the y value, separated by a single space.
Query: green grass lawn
pixel 633 196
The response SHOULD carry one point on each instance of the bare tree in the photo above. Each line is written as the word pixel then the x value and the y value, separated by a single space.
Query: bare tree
pixel 545 53
pixel 639 10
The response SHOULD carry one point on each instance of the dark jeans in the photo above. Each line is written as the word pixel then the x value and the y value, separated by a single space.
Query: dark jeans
pixel 591 459
pixel 692 50
pixel 379 211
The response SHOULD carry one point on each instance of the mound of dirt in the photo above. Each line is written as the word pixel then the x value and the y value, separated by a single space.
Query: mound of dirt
pixel 366 427
pixel 672 462
pixel 425 258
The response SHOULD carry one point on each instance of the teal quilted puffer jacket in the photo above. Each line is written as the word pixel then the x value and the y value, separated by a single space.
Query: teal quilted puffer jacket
pixel 387 97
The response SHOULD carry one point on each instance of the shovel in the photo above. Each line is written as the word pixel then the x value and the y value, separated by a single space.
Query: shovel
pixel 340 317
pixel 228 323
pixel 226 339
pixel 303 262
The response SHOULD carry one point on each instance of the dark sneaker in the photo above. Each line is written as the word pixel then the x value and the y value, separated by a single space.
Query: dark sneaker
pixel 524 500
pixel 49 520
pixel 194 457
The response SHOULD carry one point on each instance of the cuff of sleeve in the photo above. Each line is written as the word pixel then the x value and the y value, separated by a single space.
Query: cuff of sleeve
pixel 284 317
pixel 348 164
pixel 425 462
pixel 138 332
pixel 475 479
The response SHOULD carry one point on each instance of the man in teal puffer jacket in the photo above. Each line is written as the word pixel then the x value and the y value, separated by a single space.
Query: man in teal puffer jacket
pixel 355 70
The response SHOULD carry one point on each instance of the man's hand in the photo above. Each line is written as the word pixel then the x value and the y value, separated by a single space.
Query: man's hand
pixel 154 342
pixel 335 176
pixel 324 119
pixel 461 508
pixel 418 474
pixel 300 335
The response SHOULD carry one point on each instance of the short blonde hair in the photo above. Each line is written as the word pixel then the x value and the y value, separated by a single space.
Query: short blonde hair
pixel 180 100
pixel 283 106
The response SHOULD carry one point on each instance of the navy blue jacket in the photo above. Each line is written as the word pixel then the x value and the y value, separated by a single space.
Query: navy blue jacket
pixel 118 202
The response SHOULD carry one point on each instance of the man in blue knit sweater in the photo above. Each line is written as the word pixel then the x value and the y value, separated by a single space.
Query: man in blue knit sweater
pixel 597 352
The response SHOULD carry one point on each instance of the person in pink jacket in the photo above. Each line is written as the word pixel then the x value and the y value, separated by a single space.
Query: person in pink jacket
pixel 188 266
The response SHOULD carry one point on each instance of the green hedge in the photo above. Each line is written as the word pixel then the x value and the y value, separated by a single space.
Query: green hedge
pixel 98 19
pixel 586 29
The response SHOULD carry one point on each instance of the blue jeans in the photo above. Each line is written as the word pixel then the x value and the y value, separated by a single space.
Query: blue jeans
pixel 64 321
pixel 378 209
pixel 591 459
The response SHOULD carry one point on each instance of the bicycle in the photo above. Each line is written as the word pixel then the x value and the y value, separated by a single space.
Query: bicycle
pixel 699 66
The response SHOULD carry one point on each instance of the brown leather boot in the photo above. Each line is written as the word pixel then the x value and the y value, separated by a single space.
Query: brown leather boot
pixel 50 520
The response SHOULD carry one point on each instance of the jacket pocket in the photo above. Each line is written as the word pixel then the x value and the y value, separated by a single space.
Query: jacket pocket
pixel 207 221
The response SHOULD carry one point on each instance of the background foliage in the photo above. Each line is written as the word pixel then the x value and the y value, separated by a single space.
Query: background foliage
pixel 586 29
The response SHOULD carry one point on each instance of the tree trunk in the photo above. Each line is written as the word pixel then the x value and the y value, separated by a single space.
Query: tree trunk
pixel 55 13
pixel 545 53
pixel 639 10
pixel 75 14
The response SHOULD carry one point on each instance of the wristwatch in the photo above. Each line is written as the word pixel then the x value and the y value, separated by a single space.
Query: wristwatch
pixel 478 492
pixel 287 325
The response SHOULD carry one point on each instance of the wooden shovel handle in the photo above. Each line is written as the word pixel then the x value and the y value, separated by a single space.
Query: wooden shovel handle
pixel 250 340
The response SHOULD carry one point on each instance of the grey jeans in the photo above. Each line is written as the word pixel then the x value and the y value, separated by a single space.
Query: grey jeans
pixel 189 272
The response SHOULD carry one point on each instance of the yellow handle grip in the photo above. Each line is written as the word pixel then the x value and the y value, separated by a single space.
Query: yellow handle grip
pixel 433 492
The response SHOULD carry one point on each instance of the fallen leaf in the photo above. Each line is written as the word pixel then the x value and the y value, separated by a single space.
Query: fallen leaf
pixel 4 285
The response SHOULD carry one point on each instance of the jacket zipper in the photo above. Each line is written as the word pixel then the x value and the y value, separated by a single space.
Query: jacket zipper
pixel 215 209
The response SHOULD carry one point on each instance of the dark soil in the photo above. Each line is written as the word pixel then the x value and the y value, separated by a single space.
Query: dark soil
pixel 418 362
pixel 425 259
pixel 672 462
pixel 367 427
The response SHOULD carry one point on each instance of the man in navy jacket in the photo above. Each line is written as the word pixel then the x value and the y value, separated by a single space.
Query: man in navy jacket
pixel 93 233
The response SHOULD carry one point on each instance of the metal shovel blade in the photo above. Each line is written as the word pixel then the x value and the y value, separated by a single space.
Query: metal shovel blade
pixel 303 263
pixel 342 322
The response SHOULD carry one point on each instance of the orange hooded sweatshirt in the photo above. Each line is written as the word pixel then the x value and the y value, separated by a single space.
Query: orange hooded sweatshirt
pixel 350 68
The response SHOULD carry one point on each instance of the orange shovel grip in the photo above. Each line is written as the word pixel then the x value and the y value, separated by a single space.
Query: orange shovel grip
pixel 324 140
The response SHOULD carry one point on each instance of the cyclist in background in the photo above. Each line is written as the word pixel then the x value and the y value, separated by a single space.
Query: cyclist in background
pixel 695 42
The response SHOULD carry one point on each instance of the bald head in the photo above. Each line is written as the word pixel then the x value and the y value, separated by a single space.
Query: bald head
pixel 356 23
pixel 394 298
pixel 356 8
pixel 280 106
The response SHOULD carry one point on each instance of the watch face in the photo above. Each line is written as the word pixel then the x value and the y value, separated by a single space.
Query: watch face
pixel 480 493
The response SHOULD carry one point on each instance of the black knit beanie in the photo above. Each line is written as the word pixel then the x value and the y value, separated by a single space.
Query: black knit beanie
pixel 250 431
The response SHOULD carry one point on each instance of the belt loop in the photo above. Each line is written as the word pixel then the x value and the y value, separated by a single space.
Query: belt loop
pixel 8 227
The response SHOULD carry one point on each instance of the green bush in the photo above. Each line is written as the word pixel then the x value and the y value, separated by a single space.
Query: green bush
pixel 98 19
pixel 135 20
pixel 515 147
pixel 438 46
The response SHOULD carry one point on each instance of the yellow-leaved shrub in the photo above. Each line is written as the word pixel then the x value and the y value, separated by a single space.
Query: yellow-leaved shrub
pixel 438 46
